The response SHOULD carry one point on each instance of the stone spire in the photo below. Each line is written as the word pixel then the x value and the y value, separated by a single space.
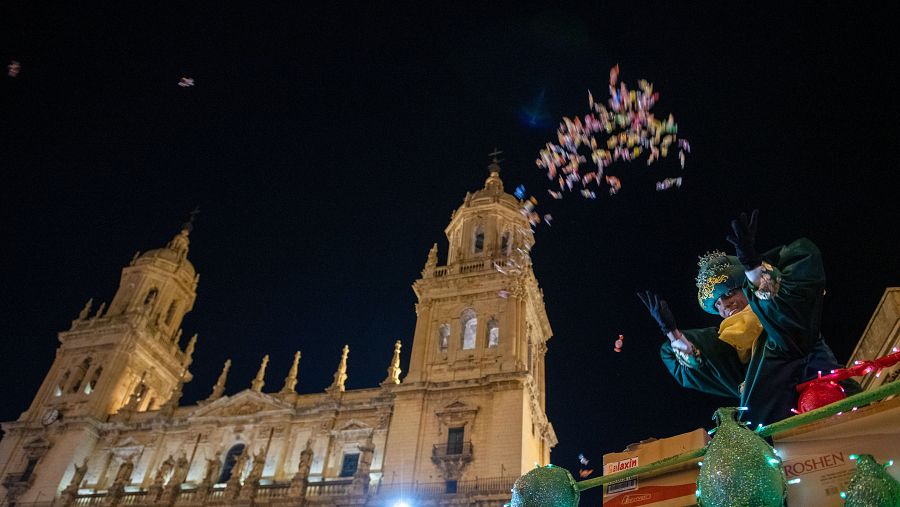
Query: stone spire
pixel 168 408
pixel 219 388
pixel 431 262
pixel 86 310
pixel 393 376
pixel 189 352
pixel 340 376
pixel 258 382
pixel 291 380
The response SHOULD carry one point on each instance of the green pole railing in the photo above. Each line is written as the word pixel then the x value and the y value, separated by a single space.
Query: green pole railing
pixel 646 470
pixel 847 404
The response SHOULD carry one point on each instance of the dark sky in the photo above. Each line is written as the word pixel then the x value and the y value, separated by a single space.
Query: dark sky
pixel 327 151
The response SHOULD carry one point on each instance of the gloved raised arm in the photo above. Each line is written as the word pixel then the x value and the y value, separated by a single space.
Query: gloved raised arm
pixel 743 237
pixel 659 310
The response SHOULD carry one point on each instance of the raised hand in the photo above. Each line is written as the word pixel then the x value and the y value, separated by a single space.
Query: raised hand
pixel 743 237
pixel 659 310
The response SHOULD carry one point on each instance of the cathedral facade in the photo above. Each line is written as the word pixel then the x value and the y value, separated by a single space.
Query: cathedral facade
pixel 106 426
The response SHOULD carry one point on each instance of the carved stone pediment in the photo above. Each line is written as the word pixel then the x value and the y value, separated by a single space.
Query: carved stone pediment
pixel 456 414
pixel 244 403
pixel 353 429
pixel 37 448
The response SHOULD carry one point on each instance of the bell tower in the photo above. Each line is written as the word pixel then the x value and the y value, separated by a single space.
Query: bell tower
pixel 477 361
pixel 126 356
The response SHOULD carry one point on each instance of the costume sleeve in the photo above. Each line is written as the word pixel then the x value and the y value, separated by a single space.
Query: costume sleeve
pixel 789 301
pixel 716 370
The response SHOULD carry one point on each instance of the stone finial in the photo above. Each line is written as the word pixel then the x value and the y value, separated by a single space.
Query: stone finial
pixel 290 382
pixel 86 310
pixel 135 258
pixel 100 311
pixel 219 388
pixel 189 352
pixel 393 376
pixel 168 408
pixel 176 338
pixel 258 382
pixel 340 376
pixel 431 262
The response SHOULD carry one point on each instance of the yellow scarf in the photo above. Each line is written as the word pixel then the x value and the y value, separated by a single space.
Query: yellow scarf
pixel 741 331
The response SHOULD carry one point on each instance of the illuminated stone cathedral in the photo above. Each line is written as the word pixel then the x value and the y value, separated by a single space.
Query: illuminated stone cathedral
pixel 106 426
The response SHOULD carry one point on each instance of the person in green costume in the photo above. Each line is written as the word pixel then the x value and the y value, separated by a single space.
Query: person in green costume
pixel 769 339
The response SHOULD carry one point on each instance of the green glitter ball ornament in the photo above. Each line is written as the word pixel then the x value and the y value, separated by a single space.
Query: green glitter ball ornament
pixel 739 469
pixel 871 486
pixel 549 486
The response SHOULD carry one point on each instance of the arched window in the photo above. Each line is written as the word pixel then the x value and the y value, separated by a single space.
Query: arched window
pixel 504 243
pixel 469 323
pixel 92 383
pixel 443 337
pixel 62 384
pixel 228 466
pixel 80 372
pixel 170 313
pixel 151 296
pixel 478 244
pixel 493 333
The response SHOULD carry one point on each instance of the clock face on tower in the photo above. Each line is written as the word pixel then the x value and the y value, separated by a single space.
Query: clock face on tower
pixel 50 416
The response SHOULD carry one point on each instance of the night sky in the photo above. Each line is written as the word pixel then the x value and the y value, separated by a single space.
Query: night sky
pixel 327 150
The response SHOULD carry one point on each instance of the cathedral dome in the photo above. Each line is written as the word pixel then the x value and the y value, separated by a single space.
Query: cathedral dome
pixel 493 188
pixel 173 255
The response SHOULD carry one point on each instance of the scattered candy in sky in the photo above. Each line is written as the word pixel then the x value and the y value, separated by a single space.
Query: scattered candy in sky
pixel 548 218
pixel 503 293
pixel 520 192
pixel 624 129
pixel 668 183
pixel 12 70
pixel 584 472
pixel 619 343
pixel 185 82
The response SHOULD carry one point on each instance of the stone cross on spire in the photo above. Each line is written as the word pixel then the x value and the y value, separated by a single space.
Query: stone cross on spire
pixel 290 382
pixel 219 388
pixel 258 382
pixel 494 166
pixel 340 376
pixel 393 376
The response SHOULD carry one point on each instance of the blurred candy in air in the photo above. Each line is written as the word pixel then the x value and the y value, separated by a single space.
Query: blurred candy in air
pixel 548 218
pixel 582 459
pixel 13 68
pixel 624 129
pixel 619 343
pixel 185 82
pixel 503 293
pixel 668 183
pixel 520 192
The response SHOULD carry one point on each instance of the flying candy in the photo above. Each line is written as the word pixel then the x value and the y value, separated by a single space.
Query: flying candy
pixel 619 343
pixel 623 129
pixel 12 70
pixel 668 183
pixel 584 472
pixel 520 192
pixel 186 82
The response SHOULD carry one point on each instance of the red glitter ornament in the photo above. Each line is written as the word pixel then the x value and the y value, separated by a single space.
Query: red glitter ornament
pixel 819 394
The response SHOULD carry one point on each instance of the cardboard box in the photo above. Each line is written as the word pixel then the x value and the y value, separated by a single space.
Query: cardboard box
pixel 675 488
pixel 819 453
